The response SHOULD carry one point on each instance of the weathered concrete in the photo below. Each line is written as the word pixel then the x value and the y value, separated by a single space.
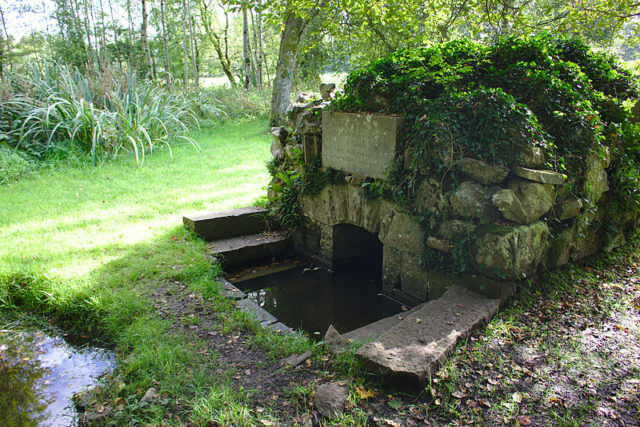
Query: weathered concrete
pixel 362 144
pixel 409 352
pixel 242 250
pixel 222 225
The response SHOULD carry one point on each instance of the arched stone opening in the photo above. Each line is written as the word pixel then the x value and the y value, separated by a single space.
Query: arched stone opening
pixel 356 248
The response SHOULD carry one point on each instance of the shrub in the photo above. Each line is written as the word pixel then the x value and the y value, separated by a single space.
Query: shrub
pixel 13 164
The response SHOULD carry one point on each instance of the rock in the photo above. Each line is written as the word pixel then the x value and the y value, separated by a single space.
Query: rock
pixel 559 251
pixel 439 244
pixel 83 399
pixel 453 227
pixel 311 122
pixel 429 196
pixel 524 201
pixel 511 253
pixel 303 98
pixel 280 135
pixel 328 91
pixel 614 242
pixel 588 239
pixel 494 289
pixel 569 208
pixel 595 177
pixel 336 342
pixel 294 114
pixel 531 156
pixel 409 352
pixel 93 416
pixel 329 399
pixel 483 172
pixel 354 180
pixel 296 359
pixel 471 200
pixel 543 176
pixel 150 395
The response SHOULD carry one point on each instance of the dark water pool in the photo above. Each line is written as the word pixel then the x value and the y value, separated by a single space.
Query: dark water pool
pixel 40 373
pixel 311 300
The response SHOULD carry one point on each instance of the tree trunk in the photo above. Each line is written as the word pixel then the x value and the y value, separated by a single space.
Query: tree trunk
pixel 7 57
pixel 194 59
pixel 184 45
pixel 246 48
pixel 259 43
pixel 256 59
pixel 115 33
pixel 221 50
pixel 294 29
pixel 88 32
pixel 130 35
pixel 167 70
pixel 145 41
pixel 105 61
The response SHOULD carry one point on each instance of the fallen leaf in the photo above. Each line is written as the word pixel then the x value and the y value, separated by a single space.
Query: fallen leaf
pixel 308 363
pixel 267 423
pixel 458 394
pixel 484 402
pixel 517 397
pixel 364 393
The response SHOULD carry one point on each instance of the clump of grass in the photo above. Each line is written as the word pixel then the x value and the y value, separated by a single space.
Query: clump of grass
pixel 13 164
pixel 54 108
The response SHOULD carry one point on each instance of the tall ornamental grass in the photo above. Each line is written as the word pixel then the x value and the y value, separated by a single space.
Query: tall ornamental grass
pixel 54 108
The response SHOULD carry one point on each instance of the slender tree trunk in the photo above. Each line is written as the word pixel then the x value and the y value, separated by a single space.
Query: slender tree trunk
pixel 246 48
pixel 254 54
pixel 8 42
pixel 294 29
pixel 115 34
pixel 88 32
pixel 194 58
pixel 96 38
pixel 130 17
pixel 259 43
pixel 167 70
pixel 145 41
pixel 105 61
pixel 184 45
pixel 220 45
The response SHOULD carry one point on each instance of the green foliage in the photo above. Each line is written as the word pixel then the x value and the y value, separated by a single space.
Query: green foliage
pixel 291 178
pixel 54 108
pixel 463 99
pixel 13 164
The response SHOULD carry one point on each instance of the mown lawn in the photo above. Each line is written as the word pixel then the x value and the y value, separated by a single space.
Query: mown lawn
pixel 86 248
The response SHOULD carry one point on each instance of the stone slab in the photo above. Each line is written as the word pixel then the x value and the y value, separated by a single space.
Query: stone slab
pixel 230 291
pixel 375 329
pixel 543 176
pixel 242 250
pixel 222 225
pixel 409 353
pixel 360 144
pixel 253 309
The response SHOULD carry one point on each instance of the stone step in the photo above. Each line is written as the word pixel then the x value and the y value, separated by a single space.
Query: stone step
pixel 225 224
pixel 251 249
pixel 377 328
pixel 408 353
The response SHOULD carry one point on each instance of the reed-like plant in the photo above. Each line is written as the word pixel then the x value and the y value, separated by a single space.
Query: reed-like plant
pixel 55 108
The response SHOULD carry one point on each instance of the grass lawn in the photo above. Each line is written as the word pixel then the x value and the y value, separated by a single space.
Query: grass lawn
pixel 87 247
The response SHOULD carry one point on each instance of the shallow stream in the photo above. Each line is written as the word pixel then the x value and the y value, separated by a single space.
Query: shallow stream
pixel 39 374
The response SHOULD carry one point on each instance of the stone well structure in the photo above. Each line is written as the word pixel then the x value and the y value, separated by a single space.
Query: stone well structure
pixel 523 220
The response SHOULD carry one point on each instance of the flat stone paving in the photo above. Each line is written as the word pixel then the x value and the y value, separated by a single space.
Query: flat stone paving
pixel 224 224
pixel 409 352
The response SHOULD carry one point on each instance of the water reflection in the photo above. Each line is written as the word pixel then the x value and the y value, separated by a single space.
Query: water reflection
pixel 314 299
pixel 39 373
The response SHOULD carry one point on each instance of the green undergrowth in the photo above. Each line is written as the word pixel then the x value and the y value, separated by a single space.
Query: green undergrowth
pixel 496 102
pixel 87 248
